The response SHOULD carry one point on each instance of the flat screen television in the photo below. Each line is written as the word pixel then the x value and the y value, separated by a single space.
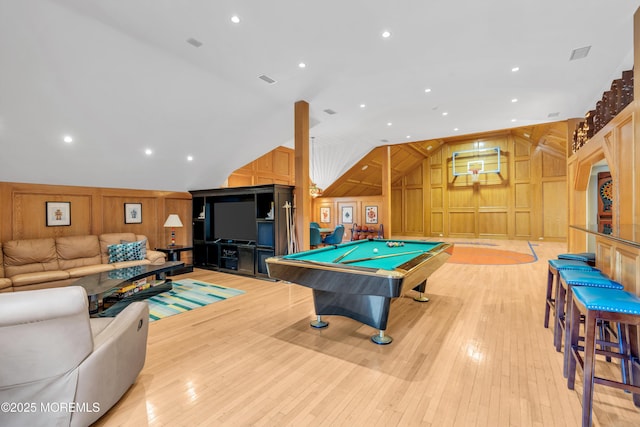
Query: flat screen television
pixel 234 220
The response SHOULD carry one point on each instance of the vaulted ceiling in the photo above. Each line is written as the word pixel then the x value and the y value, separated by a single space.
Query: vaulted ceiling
pixel 181 80
pixel 365 177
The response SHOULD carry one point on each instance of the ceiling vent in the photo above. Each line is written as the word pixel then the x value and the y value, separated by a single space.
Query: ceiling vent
pixel 580 53
pixel 267 79
pixel 384 140
pixel 329 111
pixel 193 42
pixel 551 115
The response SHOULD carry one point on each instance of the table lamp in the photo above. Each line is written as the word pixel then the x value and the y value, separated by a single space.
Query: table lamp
pixel 173 221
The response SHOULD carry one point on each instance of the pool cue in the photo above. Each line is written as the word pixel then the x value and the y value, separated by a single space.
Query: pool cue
pixel 350 261
pixel 344 254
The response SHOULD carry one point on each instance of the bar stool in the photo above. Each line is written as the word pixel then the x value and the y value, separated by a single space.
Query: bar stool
pixel 567 279
pixel 554 266
pixel 588 257
pixel 599 304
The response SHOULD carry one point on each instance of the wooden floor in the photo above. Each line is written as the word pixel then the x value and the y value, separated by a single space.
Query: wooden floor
pixel 475 355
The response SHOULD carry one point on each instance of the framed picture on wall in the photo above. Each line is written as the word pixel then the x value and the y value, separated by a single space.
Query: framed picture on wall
pixel 325 214
pixel 371 214
pixel 58 213
pixel 133 213
pixel 347 214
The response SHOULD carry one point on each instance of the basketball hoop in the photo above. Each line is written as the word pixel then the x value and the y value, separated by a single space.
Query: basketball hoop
pixel 475 176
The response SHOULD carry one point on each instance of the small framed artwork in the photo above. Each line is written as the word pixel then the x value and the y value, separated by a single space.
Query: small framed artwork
pixel 58 213
pixel 347 214
pixel 371 214
pixel 133 213
pixel 325 214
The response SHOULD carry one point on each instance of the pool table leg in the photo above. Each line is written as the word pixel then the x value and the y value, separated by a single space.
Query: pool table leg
pixel 420 289
pixel 319 323
pixel 381 338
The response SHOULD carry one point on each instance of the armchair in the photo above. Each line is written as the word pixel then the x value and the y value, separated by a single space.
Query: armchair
pixel 59 356
pixel 335 237
pixel 315 239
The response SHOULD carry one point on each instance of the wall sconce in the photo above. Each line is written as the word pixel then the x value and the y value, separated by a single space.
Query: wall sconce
pixel 173 221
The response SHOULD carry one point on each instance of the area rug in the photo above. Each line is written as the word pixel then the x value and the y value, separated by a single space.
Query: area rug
pixel 487 256
pixel 186 295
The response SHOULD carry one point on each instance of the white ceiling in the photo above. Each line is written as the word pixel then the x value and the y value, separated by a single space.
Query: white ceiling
pixel 119 76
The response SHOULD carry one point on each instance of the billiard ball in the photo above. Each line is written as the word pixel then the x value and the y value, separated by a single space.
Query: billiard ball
pixel 375 250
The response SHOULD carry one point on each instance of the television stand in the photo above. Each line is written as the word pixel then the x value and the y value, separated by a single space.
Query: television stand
pixel 237 258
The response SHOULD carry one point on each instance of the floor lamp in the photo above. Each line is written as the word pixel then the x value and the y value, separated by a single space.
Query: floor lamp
pixel 173 221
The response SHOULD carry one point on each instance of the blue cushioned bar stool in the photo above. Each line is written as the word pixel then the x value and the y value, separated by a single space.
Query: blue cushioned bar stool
pixel 600 304
pixel 570 280
pixel 588 257
pixel 554 266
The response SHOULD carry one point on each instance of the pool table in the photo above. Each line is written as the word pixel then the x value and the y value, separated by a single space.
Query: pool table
pixel 359 279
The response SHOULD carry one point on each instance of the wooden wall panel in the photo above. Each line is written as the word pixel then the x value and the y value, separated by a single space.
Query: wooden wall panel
pixel 437 223
pixel 396 208
pixel 493 197
pixel 414 177
pixel 522 170
pixel 626 270
pixel 275 167
pixel 626 170
pixel 553 166
pixel 554 204
pixel 605 257
pixel 29 219
pixel 436 198
pixel 359 205
pixel 522 148
pixel 492 224
pixel 436 176
pixel 462 223
pixel 523 224
pixel 414 221
pixel 522 195
pixel 461 198
pixel 93 211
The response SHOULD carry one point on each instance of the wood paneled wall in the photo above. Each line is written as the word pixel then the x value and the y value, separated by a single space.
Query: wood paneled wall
pixel 526 200
pixel 93 211
pixel 275 167
pixel 359 205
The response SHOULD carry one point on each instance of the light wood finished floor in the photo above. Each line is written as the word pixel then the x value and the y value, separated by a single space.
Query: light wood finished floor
pixel 475 355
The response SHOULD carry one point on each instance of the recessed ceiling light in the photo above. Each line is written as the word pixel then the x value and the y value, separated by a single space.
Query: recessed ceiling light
pixel 389 124
pixel 455 129
pixel 515 69
pixel 429 148
pixel 68 139
pixel 362 105
pixel 513 120
pixel 526 135
pixel 148 152
pixel 302 65
pixel 408 136
pixel 427 90
pixel 365 167
pixel 445 114
pixel 189 158
pixel 514 100
pixel 386 34
pixel 235 19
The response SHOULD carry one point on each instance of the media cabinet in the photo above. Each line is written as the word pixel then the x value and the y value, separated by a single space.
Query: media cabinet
pixel 236 229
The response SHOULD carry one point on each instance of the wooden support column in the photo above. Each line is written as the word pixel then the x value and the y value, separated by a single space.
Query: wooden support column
pixel 303 198
pixel 386 192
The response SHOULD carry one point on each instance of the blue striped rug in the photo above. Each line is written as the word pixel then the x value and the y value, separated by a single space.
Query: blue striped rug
pixel 186 295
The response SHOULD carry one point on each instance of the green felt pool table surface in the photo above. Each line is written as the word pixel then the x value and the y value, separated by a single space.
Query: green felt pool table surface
pixel 385 257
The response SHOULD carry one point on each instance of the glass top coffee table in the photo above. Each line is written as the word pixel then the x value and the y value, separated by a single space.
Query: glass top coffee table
pixel 101 285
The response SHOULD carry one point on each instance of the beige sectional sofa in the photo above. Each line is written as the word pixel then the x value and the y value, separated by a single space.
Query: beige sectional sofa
pixel 54 262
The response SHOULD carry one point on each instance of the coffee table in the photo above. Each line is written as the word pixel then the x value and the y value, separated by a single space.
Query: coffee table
pixel 101 285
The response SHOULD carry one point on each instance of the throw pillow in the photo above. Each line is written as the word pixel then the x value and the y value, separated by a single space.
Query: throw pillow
pixel 143 246
pixel 125 252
